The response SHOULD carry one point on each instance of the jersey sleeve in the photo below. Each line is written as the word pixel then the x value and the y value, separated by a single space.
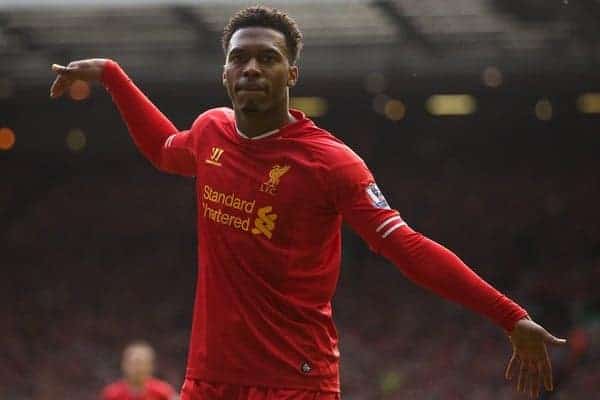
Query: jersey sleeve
pixel 358 199
pixel 154 134
pixel 434 267
pixel 422 260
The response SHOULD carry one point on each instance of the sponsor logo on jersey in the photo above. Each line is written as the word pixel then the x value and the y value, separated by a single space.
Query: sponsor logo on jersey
pixel 231 210
pixel 265 222
pixel 275 174
pixel 228 199
pixel 376 196
pixel 215 155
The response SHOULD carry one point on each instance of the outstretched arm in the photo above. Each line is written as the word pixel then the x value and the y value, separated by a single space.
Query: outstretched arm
pixel 153 133
pixel 436 268
pixel 433 266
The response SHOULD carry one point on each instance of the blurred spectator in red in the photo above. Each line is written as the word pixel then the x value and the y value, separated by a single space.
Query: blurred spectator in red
pixel 138 383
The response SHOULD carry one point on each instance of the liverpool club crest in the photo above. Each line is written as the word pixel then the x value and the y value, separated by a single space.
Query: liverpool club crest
pixel 270 186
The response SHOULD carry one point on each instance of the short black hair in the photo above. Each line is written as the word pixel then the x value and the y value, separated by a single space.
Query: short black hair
pixel 266 17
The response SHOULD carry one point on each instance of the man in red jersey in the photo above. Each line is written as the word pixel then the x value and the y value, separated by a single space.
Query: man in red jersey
pixel 137 365
pixel 272 191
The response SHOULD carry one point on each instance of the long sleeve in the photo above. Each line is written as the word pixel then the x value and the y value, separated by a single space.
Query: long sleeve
pixel 436 268
pixel 425 262
pixel 153 133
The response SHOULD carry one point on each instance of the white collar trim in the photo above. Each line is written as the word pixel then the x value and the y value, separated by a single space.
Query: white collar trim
pixel 263 135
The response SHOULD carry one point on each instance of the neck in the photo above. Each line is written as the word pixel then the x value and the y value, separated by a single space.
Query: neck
pixel 253 124
pixel 136 384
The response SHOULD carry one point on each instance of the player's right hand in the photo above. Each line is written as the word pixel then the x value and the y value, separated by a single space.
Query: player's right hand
pixel 85 70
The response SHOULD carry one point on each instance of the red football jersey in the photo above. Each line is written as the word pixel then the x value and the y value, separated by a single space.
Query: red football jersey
pixel 270 211
pixel 154 389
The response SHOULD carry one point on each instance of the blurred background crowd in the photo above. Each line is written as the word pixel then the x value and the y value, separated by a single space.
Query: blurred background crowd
pixel 479 121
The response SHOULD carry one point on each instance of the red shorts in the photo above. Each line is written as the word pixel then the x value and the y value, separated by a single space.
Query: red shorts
pixel 199 390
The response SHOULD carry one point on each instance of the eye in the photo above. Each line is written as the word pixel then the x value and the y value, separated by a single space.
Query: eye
pixel 235 58
pixel 267 58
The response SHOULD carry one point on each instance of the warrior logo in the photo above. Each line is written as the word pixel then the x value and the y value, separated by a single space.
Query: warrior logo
pixel 275 175
pixel 215 155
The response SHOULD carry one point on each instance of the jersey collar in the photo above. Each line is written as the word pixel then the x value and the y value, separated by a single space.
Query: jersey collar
pixel 301 120
pixel 264 135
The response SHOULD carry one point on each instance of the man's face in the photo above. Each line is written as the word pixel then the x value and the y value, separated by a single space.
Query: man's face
pixel 257 72
pixel 137 363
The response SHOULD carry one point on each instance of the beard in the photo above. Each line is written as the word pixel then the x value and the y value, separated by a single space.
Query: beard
pixel 252 107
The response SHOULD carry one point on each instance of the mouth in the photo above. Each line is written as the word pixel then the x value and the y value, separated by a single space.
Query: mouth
pixel 248 90
pixel 250 87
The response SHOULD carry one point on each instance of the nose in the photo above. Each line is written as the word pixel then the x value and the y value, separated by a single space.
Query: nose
pixel 251 68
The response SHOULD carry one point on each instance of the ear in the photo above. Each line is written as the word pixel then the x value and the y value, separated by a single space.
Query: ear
pixel 224 78
pixel 292 76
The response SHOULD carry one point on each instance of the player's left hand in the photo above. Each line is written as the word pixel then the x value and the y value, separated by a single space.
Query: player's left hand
pixel 529 352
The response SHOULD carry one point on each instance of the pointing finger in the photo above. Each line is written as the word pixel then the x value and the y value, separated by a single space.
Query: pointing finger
pixel 60 69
